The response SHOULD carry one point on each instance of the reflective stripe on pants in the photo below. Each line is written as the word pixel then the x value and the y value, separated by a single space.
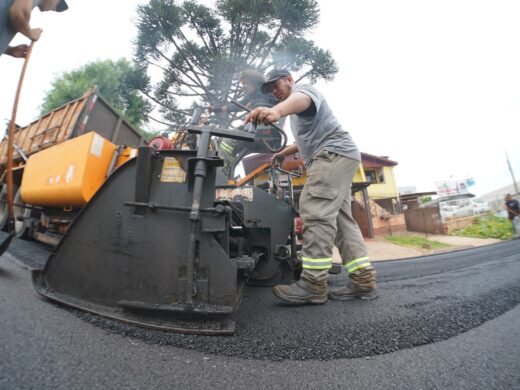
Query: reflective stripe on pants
pixel 356 264
pixel 318 264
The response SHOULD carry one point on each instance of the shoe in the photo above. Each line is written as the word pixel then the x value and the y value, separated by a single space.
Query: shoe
pixel 363 286
pixel 347 293
pixel 300 293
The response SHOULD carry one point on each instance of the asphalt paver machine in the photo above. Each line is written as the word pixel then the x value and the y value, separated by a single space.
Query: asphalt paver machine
pixel 165 243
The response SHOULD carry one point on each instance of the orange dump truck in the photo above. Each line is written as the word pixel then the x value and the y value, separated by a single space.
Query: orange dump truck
pixel 61 160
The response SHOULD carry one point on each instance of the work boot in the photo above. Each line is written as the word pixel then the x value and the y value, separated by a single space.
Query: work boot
pixel 311 288
pixel 363 286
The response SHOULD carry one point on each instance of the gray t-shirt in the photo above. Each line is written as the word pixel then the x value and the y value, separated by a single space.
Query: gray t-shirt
pixel 7 32
pixel 319 130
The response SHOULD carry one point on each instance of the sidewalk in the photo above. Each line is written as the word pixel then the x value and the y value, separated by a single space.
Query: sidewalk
pixel 379 249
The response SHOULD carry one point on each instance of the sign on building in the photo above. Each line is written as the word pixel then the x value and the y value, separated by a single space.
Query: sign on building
pixel 451 187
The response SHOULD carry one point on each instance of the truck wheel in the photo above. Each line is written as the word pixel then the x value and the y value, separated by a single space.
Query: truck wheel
pixel 4 213
pixel 21 216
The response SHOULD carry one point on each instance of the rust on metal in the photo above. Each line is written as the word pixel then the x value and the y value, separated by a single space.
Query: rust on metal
pixel 48 130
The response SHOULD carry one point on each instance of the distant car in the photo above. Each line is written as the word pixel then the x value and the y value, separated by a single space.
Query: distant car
pixel 480 206
pixel 464 210
pixel 447 212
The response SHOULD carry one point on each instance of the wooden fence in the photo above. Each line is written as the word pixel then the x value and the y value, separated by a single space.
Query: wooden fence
pixel 424 219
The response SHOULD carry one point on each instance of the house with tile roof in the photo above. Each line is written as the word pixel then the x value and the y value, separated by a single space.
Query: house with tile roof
pixel 376 197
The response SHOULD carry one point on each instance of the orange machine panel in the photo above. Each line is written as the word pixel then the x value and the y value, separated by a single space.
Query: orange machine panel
pixel 127 154
pixel 68 174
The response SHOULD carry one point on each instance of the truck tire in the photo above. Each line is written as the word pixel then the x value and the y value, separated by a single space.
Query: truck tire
pixel 21 215
pixel 3 208
pixel 4 212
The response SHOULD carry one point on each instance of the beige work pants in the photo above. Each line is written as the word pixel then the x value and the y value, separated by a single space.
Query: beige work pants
pixel 325 208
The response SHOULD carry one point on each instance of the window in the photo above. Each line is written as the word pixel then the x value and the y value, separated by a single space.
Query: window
pixel 371 176
pixel 375 176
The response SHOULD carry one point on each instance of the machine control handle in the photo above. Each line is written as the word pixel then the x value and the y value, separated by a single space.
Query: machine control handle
pixel 278 128
pixel 240 135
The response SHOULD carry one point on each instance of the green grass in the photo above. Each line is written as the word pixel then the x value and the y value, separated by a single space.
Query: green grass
pixel 488 226
pixel 419 242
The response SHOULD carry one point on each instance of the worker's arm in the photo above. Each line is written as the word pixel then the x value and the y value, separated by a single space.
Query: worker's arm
pixel 511 210
pixel 20 15
pixel 280 156
pixel 19 51
pixel 296 102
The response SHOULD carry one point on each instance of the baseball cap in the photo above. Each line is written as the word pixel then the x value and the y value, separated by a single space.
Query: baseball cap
pixel 272 76
pixel 62 6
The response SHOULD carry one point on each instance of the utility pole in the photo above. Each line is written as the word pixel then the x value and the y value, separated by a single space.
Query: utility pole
pixel 512 174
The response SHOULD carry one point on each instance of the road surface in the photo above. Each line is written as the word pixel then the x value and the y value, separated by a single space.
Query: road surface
pixel 442 321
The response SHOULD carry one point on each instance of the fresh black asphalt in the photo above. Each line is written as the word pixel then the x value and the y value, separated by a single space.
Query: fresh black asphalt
pixel 440 300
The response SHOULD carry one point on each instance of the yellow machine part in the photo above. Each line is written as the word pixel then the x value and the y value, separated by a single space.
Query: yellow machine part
pixel 127 154
pixel 68 174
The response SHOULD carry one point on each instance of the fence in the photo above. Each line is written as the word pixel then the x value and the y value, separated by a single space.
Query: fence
pixel 389 224
pixel 424 219
pixel 456 224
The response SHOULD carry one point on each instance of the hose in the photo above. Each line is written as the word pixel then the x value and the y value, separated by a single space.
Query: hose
pixel 10 146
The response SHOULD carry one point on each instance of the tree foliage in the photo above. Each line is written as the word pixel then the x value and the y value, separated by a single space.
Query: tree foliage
pixel 199 50
pixel 119 82
pixel 425 199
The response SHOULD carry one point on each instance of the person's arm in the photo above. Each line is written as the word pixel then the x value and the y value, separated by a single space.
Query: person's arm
pixel 19 51
pixel 217 109
pixel 280 156
pixel 516 207
pixel 511 211
pixel 229 107
pixel 246 101
pixel 20 15
pixel 296 102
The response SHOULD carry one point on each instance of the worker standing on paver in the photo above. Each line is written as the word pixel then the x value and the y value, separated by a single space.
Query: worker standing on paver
pixel 332 159
pixel 15 16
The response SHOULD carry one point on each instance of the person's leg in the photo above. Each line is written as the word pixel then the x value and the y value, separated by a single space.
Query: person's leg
pixel 354 255
pixel 320 202
pixel 226 150
pixel 351 245
pixel 516 227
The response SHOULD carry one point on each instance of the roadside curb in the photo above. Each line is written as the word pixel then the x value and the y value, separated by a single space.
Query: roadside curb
pixel 439 253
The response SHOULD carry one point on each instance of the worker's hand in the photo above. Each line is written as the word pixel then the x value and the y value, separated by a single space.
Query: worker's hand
pixel 263 115
pixel 35 34
pixel 19 51
pixel 276 158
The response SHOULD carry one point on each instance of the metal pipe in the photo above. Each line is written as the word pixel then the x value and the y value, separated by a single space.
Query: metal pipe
pixel 115 157
pixel 155 206
pixel 10 209
pixel 291 190
pixel 200 175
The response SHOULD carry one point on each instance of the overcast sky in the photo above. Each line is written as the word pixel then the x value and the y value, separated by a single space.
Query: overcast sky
pixel 434 85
